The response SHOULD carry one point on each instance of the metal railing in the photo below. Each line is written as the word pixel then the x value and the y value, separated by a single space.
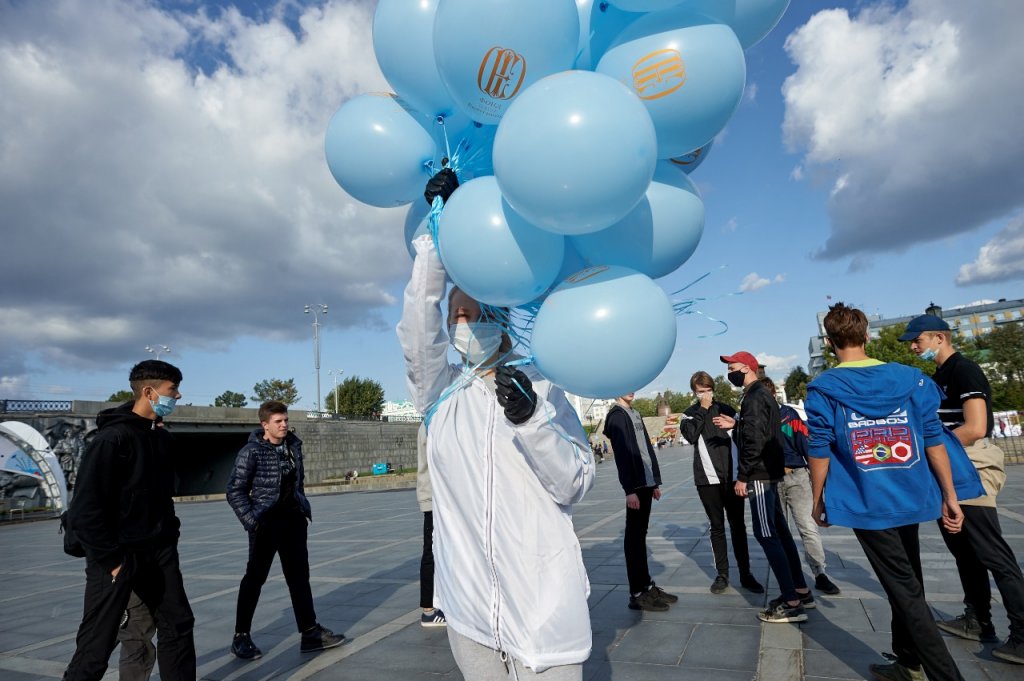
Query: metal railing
pixel 33 406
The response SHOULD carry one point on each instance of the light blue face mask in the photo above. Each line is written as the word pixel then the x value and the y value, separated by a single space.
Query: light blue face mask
pixel 164 405
pixel 928 355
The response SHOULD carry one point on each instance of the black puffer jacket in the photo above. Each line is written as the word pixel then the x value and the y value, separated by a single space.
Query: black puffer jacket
pixel 255 483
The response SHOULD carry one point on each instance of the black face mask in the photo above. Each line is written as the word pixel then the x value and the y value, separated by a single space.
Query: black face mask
pixel 736 378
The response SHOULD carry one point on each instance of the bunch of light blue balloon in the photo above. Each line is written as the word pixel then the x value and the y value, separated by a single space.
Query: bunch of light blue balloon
pixel 572 125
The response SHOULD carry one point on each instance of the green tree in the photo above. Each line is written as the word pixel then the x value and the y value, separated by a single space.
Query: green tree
pixel 725 393
pixel 357 397
pixel 230 399
pixel 889 348
pixel 275 389
pixel 122 396
pixel 796 385
pixel 645 406
pixel 678 402
pixel 1006 351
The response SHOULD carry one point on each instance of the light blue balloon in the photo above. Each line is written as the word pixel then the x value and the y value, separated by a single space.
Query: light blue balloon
pixel 646 5
pixel 752 20
pixel 600 24
pixel 403 41
pixel 605 332
pixel 416 224
pixel 575 153
pixel 657 236
pixel 688 71
pixel 377 151
pixel 691 161
pixel 491 253
pixel 490 51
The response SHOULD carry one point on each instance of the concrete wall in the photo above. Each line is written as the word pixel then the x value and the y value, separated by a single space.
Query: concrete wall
pixel 333 447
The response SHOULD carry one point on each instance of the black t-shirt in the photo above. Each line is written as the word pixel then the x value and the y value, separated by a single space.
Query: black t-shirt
pixel 960 380
pixel 288 476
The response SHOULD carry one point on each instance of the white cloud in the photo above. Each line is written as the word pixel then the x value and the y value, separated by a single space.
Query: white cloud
pixel 731 225
pixel 910 107
pixel 1001 259
pixel 750 93
pixel 777 366
pixel 141 192
pixel 797 173
pixel 753 281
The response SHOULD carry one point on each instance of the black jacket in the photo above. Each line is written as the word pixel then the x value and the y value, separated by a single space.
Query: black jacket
pixel 713 461
pixel 618 428
pixel 758 436
pixel 255 483
pixel 122 501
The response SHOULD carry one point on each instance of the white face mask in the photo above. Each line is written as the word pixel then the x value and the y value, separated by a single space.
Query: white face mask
pixel 476 342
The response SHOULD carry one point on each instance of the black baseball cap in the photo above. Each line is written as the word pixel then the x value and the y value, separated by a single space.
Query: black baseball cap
pixel 926 322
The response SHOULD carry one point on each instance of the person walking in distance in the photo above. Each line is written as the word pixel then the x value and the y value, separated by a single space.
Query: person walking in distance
pixel 266 491
pixel 640 477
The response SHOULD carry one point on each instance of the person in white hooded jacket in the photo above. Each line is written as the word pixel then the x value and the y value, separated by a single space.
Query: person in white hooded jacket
pixel 507 463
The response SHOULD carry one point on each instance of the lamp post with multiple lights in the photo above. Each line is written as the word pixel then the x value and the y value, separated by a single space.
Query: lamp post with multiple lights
pixel 157 350
pixel 316 311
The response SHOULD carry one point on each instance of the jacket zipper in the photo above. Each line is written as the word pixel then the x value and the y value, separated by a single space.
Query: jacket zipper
pixel 496 608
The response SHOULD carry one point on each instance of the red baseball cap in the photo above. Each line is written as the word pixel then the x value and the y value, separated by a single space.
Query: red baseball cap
pixel 743 358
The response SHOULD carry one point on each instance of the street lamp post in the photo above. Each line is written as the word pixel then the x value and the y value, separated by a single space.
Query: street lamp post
pixel 316 311
pixel 157 349
pixel 336 373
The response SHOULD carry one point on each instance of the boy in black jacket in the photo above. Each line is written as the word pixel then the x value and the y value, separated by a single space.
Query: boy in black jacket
pixel 758 437
pixel 640 477
pixel 123 515
pixel 714 473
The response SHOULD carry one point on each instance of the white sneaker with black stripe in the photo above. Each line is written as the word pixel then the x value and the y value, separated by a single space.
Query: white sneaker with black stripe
pixel 434 618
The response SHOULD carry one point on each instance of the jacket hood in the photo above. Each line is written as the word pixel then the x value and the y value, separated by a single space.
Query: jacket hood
pixel 873 391
pixel 123 414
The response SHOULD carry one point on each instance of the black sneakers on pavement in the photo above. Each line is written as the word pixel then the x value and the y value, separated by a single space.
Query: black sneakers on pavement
pixel 807 600
pixel 433 619
pixel 243 648
pixel 894 671
pixel 719 585
pixel 1011 651
pixel 664 595
pixel 320 638
pixel 780 611
pixel 750 583
pixel 648 601
pixel 825 585
pixel 969 627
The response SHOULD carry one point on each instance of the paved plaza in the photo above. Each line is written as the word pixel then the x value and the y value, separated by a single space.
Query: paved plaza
pixel 365 552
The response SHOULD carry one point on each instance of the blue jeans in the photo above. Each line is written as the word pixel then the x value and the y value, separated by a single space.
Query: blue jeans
pixel 772 533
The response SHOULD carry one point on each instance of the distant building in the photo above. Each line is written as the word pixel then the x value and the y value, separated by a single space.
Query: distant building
pixel 590 410
pixel 967 321
pixel 400 411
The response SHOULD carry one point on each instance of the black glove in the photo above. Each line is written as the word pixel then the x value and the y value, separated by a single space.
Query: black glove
pixel 443 184
pixel 520 400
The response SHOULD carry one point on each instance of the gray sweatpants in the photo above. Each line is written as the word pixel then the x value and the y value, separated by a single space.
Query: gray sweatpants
pixel 480 663
pixel 795 495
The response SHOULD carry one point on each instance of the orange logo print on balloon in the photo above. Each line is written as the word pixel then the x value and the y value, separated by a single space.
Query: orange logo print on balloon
pixel 501 73
pixel 658 74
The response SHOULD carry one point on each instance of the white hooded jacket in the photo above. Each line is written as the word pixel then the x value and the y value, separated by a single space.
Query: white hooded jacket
pixel 509 572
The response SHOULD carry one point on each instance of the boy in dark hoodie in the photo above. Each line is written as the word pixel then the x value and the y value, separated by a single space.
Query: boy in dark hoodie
pixel 123 515
pixel 877 424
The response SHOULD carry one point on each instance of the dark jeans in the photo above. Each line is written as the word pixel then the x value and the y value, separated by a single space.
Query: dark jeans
pixel 772 533
pixel 138 654
pixel 720 501
pixel 281 532
pixel 979 549
pixel 635 542
pixel 427 562
pixel 156 577
pixel 895 556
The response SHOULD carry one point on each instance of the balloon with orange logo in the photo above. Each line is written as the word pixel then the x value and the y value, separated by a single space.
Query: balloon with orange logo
pixel 489 51
pixel 687 69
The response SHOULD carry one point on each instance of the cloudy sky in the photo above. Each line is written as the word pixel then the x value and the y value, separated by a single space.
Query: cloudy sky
pixel 162 182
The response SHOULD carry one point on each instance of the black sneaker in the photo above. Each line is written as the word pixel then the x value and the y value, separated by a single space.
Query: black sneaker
pixel 807 600
pixel 719 585
pixel 1011 651
pixel 648 601
pixel 243 648
pixel 320 638
pixel 663 595
pixel 825 585
pixel 750 583
pixel 433 619
pixel 894 671
pixel 967 626
pixel 780 611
